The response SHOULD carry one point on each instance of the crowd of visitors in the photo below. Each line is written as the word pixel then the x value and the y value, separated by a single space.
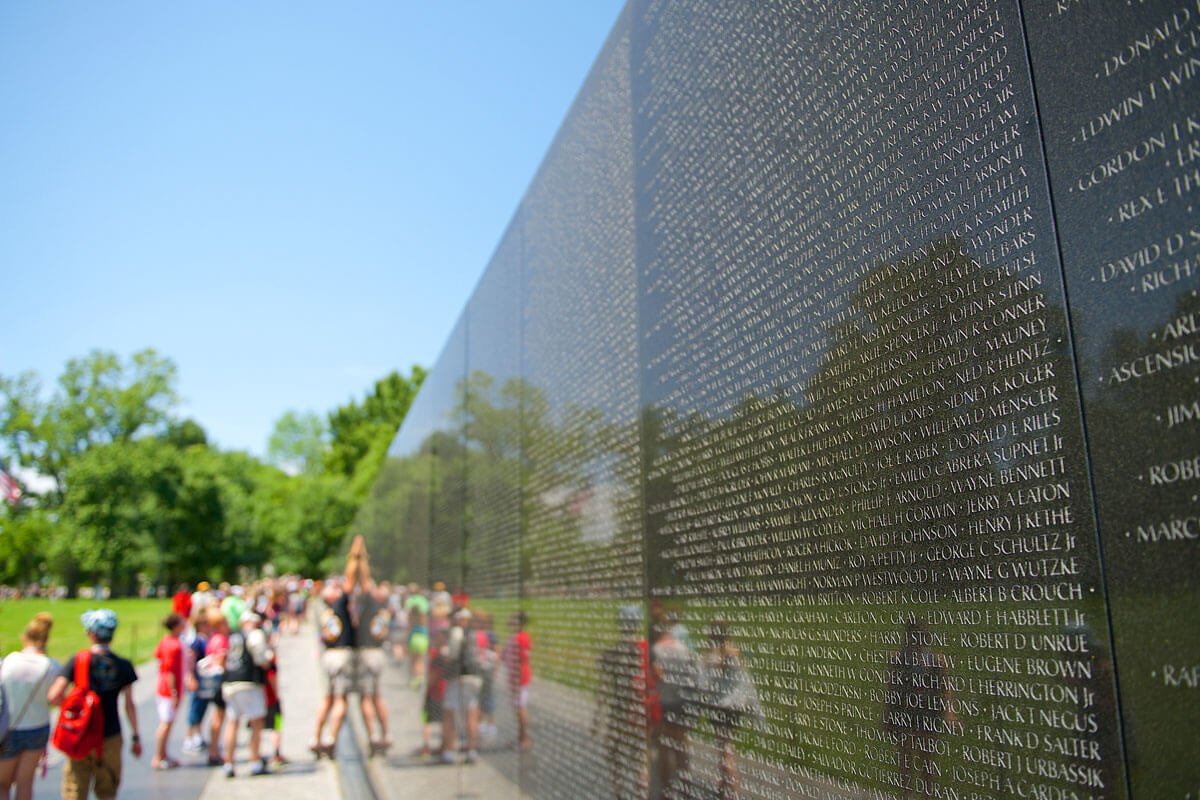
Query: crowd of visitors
pixel 218 673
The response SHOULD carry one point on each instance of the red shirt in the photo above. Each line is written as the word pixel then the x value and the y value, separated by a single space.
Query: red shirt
pixel 170 662
pixel 181 604
pixel 218 645
pixel 516 659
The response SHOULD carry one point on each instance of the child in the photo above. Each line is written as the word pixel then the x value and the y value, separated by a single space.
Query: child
pixel 418 646
pixel 170 687
pixel 520 673
pixel 273 724
pixel 488 646
pixel 435 693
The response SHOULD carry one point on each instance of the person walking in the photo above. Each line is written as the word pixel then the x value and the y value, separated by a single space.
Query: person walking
pixel 464 681
pixel 245 675
pixel 25 676
pixel 111 677
pixel 214 656
pixel 202 687
pixel 169 690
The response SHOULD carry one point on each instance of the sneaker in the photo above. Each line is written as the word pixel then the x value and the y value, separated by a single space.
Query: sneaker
pixel 262 768
pixel 472 756
pixel 228 770
pixel 449 756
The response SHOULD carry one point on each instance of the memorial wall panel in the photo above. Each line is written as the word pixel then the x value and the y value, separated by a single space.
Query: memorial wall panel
pixel 1118 91
pixel 445 385
pixel 395 520
pixel 869 463
pixel 830 409
pixel 582 535
pixel 492 436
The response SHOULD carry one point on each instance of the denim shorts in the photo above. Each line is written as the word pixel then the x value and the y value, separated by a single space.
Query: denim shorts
pixel 28 739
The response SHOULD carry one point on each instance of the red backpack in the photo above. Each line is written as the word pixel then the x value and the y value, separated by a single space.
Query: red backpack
pixel 80 729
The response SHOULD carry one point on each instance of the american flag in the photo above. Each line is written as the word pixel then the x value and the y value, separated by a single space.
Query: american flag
pixel 9 490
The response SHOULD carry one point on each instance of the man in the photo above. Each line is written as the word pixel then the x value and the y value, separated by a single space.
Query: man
pixel 462 688
pixel 337 665
pixel 111 677
pixel 245 676
pixel 203 597
pixel 374 622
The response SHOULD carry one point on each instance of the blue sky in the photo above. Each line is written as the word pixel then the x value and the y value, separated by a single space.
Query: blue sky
pixel 289 199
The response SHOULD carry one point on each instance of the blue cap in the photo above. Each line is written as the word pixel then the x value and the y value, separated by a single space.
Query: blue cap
pixel 100 621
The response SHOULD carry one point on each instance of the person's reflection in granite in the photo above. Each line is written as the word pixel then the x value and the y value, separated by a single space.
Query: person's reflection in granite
pixel 918 704
pixel 729 697
pixel 676 674
pixel 626 706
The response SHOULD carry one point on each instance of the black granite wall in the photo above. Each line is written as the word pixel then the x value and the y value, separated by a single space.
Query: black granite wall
pixel 830 407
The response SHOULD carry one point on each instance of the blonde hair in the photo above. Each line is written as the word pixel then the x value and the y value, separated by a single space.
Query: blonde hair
pixel 37 632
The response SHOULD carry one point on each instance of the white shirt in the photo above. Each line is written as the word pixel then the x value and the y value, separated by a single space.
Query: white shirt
pixel 23 675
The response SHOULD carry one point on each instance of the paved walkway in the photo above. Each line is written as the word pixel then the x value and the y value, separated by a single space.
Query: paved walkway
pixel 303 779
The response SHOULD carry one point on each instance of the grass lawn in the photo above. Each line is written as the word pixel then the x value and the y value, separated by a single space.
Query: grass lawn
pixel 139 629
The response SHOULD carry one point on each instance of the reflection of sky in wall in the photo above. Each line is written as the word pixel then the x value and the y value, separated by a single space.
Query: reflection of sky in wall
pixel 778 206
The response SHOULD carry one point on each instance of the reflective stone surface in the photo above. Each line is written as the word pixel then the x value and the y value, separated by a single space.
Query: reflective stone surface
pixel 817 468
pixel 1121 116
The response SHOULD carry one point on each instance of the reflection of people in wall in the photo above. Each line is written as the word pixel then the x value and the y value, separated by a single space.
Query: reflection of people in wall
pixel 918 704
pixel 675 672
pixel 626 705
pixel 520 674
pixel 730 695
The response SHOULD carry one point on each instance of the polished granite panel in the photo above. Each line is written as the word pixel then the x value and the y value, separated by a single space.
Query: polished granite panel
pixel 492 427
pixel 816 466
pixel 492 435
pixel 395 518
pixel 1119 90
pixel 447 447
pixel 582 537
pixel 867 476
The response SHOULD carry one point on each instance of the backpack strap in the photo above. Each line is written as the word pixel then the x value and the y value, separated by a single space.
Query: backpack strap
pixel 83 662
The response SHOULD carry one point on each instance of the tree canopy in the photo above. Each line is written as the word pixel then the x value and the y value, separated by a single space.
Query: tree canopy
pixel 139 496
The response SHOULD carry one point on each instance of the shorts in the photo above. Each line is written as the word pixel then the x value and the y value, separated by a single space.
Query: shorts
pixel 197 708
pixel 369 668
pixel 418 643
pixel 218 701
pixel 78 774
pixel 274 712
pixel 337 664
pixel 462 694
pixel 245 700
pixel 166 708
pixel 20 741
pixel 519 695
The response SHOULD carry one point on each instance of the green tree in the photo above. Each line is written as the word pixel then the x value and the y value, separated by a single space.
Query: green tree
pixel 361 432
pixel 298 443
pixel 100 399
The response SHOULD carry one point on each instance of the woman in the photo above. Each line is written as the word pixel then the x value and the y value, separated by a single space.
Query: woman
pixel 27 675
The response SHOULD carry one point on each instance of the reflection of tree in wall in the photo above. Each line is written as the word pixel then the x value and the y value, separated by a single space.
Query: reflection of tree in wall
pixel 499 501
pixel 492 428
pixel 448 521
pixel 892 421
pixel 868 433
pixel 394 519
